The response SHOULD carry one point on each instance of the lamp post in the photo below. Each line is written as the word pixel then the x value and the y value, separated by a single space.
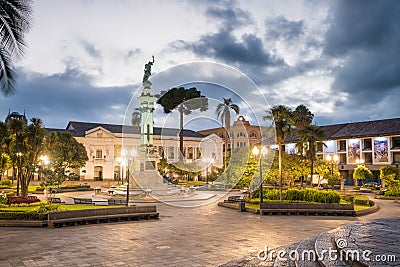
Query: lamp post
pixel 119 160
pixel 255 152
pixel 45 161
pixel 332 160
pixel 208 162
pixel 128 161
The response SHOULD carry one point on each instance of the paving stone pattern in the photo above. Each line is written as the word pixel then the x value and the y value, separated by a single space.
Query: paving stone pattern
pixel 203 236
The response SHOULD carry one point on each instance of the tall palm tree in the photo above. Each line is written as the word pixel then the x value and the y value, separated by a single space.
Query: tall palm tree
pixel 309 136
pixel 15 16
pixel 136 117
pixel 223 112
pixel 281 117
pixel 302 116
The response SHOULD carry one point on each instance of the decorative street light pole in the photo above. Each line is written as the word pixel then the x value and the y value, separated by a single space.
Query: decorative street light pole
pixel 119 160
pixel 255 152
pixel 208 162
pixel 332 160
pixel 129 162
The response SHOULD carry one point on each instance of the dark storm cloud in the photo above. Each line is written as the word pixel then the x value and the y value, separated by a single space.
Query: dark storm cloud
pixel 367 35
pixel 282 28
pixel 69 95
pixel 224 45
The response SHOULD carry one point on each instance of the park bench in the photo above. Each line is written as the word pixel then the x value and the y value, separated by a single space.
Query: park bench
pixel 117 202
pixel 83 201
pixel 307 209
pixel 80 217
pixel 233 199
pixel 55 200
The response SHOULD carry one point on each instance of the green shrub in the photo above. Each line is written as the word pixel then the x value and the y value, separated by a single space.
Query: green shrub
pixel 361 200
pixel 6 182
pixel 27 215
pixel 3 200
pixel 392 194
pixel 348 198
pixel 303 195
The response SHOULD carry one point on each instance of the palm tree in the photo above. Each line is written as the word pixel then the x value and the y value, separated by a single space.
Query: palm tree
pixel 223 112
pixel 302 116
pixel 136 117
pixel 15 16
pixel 281 116
pixel 309 136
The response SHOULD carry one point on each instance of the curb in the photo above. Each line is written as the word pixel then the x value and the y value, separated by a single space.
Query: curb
pixel 370 210
pixel 22 223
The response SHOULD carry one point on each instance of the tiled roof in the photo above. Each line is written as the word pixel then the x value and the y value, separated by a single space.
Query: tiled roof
pixel 78 129
pixel 357 130
pixel 369 128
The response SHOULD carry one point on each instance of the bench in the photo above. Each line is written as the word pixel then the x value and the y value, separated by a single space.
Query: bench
pixel 117 202
pixel 80 217
pixel 307 209
pixel 233 199
pixel 55 200
pixel 83 201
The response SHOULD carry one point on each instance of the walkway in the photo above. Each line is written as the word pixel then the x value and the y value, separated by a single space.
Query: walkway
pixel 204 236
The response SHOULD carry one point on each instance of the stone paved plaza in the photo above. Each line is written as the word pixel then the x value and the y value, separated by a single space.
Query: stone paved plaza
pixel 203 236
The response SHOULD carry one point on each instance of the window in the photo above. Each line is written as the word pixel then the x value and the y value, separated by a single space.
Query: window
pixel 241 134
pixel 342 145
pixel 171 152
pixel 99 134
pixel 367 144
pixel 222 135
pixel 223 147
pixel 253 135
pixel 99 153
pixel 396 142
pixel 342 158
pixel 368 158
pixel 396 157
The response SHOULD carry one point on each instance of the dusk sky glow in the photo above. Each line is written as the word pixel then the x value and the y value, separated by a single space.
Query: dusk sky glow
pixel 85 59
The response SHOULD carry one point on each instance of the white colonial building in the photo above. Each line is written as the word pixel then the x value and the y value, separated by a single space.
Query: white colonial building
pixel 105 144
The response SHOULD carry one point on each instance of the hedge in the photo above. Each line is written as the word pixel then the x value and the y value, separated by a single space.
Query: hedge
pixel 361 200
pixel 20 200
pixel 307 195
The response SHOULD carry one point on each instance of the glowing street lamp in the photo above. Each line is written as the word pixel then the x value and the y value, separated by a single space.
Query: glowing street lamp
pixel 255 152
pixel 208 161
pixel 332 160
pixel 127 160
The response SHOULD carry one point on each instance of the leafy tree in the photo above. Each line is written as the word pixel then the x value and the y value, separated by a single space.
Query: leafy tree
pixel 389 173
pixel 361 173
pixel 5 164
pixel 281 116
pixel 324 169
pixel 14 145
pixel 15 16
pixel 309 136
pixel 65 153
pixel 185 100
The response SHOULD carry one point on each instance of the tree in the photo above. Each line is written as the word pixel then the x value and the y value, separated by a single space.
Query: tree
pixel 185 100
pixel 309 136
pixel 5 164
pixel 136 117
pixel 302 116
pixel 14 144
pixel 281 116
pixel 389 172
pixel 223 112
pixel 361 173
pixel 15 16
pixel 65 153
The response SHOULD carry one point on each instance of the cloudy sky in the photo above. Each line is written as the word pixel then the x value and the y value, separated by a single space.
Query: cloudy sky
pixel 85 58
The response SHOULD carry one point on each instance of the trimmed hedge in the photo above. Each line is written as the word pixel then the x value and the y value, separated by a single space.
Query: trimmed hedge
pixel 27 215
pixel 20 200
pixel 307 195
pixel 361 200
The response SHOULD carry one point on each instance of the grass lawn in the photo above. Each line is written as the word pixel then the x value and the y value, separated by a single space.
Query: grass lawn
pixel 62 206
pixel 361 207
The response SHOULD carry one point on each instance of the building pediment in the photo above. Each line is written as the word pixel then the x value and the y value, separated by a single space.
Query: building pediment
pixel 98 132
